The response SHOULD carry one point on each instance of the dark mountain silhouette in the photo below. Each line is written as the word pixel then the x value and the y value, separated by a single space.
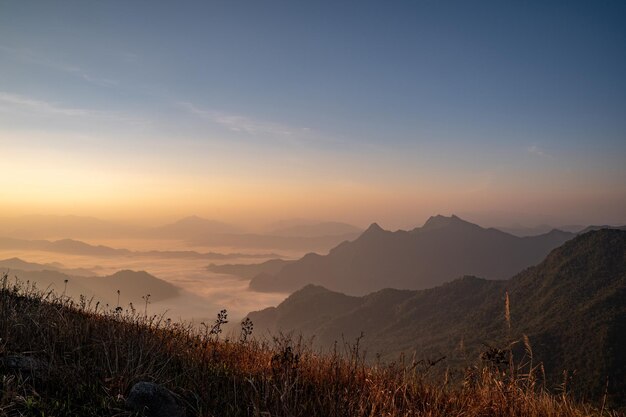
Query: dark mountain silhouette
pixel 317 230
pixel 249 271
pixel 441 250
pixel 572 307
pixel 76 247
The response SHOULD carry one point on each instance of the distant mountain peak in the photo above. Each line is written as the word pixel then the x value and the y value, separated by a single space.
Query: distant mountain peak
pixel 438 221
pixel 194 225
pixel 191 219
pixel 554 232
pixel 374 228
pixel 126 272
pixel 313 289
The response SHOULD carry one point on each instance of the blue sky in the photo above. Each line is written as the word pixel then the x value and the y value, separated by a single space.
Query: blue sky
pixel 503 111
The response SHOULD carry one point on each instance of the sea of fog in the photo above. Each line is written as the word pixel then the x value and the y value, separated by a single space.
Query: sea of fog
pixel 203 294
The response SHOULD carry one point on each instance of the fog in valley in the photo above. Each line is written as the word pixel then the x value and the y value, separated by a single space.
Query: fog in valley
pixel 165 270
pixel 62 244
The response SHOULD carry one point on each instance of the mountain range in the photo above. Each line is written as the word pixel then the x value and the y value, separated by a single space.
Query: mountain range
pixel 443 249
pixel 523 231
pixel 54 227
pixel 571 307
pixel 132 285
pixel 189 227
pixel 300 235
pixel 50 226
pixel 77 247
pixel 19 264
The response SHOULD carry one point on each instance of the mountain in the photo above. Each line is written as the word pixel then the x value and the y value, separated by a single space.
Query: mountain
pixel 572 307
pixel 191 227
pixel 317 230
pixel 133 285
pixel 76 247
pixel 19 264
pixel 69 246
pixel 249 271
pixel 442 249
pixel 55 227
pixel 591 228
pixel 523 231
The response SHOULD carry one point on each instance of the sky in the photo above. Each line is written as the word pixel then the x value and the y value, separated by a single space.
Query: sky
pixel 505 112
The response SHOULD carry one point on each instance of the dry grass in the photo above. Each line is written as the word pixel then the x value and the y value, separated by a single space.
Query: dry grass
pixel 94 356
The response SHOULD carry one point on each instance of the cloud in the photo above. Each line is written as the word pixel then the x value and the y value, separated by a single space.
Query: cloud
pixel 237 123
pixel 29 56
pixel 10 102
pixel 535 150
pixel 42 107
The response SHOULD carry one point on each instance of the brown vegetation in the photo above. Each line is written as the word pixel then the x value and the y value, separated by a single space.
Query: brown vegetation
pixel 92 357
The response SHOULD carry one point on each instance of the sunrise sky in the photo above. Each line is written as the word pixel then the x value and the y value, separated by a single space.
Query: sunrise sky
pixel 505 112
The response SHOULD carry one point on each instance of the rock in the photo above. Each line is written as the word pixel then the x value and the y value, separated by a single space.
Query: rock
pixel 153 400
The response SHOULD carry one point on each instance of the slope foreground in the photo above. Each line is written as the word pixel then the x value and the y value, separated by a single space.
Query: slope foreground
pixel 80 361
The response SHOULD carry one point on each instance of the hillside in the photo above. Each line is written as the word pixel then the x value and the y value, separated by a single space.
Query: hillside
pixel 64 359
pixel 572 306
pixel 443 249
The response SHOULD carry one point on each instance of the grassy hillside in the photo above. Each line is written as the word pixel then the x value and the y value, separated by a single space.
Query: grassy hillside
pixel 88 359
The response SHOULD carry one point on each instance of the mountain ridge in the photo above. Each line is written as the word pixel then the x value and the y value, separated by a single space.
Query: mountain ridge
pixel 577 290
pixel 78 247
pixel 441 250
pixel 133 285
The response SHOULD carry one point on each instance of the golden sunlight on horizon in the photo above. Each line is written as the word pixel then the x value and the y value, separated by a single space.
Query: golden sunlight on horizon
pixel 154 185
pixel 135 202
